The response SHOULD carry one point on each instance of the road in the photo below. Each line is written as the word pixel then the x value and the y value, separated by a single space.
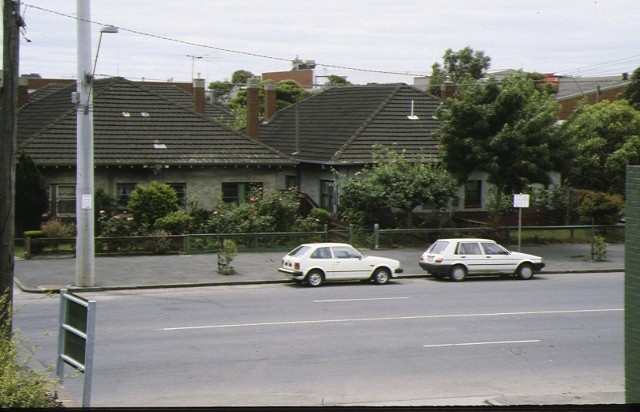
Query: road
pixel 553 339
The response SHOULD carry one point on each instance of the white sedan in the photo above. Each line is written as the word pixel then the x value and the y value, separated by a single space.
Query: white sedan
pixel 458 258
pixel 315 263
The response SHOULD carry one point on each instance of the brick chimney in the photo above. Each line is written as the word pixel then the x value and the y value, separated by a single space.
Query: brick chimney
pixel 447 89
pixel 252 108
pixel 269 100
pixel 23 91
pixel 198 96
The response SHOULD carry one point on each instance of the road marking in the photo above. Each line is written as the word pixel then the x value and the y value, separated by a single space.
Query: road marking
pixel 356 300
pixel 468 315
pixel 443 345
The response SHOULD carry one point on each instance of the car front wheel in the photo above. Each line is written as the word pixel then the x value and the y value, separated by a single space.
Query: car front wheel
pixel 315 278
pixel 381 276
pixel 458 273
pixel 525 271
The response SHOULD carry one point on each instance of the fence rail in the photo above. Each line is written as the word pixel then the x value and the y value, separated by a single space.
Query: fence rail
pixel 283 241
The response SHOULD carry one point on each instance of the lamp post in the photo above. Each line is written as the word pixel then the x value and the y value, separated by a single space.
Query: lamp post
pixel 85 223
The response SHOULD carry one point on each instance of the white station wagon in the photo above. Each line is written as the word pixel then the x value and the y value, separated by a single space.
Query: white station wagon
pixel 457 258
pixel 315 263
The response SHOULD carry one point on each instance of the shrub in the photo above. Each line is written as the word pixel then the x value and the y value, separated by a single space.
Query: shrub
pixel 314 222
pixel 225 256
pixel 20 387
pixel 149 203
pixel 161 243
pixel 58 228
pixel 601 208
pixel 176 223
pixel 114 225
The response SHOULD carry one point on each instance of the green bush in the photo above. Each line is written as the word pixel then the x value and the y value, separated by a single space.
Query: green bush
pixel 601 208
pixel 20 387
pixel 176 223
pixel 149 203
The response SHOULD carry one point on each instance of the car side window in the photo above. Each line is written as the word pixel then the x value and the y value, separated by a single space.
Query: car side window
pixel 344 253
pixel 469 249
pixel 493 249
pixel 321 253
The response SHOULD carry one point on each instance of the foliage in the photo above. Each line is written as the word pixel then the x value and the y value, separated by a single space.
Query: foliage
pixel 314 222
pixel 632 92
pixel 114 225
pixel 601 208
pixel 223 90
pixel 57 227
pixel 31 200
pixel 599 248
pixel 160 243
pixel 269 212
pixel 506 130
pixel 20 387
pixel 104 204
pixel 288 92
pixel 395 182
pixel 605 138
pixel 457 66
pixel 149 203
pixel 176 223
pixel 334 80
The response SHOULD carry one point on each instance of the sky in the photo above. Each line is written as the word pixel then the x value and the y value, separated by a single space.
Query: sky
pixel 379 41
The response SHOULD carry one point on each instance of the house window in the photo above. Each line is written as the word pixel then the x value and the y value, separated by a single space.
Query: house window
pixel 291 182
pixel 123 194
pixel 62 199
pixel 237 192
pixel 326 194
pixel 181 191
pixel 473 194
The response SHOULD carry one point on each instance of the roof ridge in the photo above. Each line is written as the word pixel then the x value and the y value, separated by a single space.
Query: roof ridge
pixel 367 122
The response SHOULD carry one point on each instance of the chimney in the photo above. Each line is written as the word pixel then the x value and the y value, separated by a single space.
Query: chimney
pixel 198 95
pixel 252 108
pixel 23 91
pixel 447 89
pixel 269 100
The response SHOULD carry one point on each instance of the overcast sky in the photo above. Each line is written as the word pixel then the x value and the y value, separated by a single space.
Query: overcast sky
pixel 161 40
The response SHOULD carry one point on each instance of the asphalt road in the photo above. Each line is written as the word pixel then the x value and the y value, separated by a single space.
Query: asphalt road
pixel 551 340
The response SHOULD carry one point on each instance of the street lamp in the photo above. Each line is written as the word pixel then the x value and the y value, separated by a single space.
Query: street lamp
pixel 85 224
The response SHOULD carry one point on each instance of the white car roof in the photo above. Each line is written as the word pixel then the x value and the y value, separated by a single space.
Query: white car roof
pixel 325 244
pixel 466 239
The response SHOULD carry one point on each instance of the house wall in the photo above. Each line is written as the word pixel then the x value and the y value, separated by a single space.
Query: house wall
pixel 569 104
pixel 203 184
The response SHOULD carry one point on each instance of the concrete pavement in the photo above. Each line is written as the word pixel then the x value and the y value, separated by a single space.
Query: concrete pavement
pixel 145 272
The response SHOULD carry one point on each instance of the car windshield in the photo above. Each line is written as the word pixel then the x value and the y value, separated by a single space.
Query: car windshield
pixel 299 251
pixel 438 247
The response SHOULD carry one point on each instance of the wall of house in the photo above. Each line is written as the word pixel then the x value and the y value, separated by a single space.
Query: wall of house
pixel 569 104
pixel 203 184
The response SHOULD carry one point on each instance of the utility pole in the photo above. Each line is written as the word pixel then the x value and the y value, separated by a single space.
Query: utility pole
pixel 11 30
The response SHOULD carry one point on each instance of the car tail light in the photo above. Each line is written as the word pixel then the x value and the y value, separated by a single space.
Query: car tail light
pixel 438 259
pixel 296 266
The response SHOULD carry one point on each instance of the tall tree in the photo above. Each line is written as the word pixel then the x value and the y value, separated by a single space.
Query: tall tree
pixel 506 130
pixel 457 66
pixel 223 90
pixel 288 92
pixel 605 138
pixel 31 195
pixel 632 92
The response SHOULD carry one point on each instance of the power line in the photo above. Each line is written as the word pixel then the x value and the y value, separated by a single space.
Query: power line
pixel 222 49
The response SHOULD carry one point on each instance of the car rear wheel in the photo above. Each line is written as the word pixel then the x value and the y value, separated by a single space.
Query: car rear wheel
pixel 524 271
pixel 381 276
pixel 458 273
pixel 315 278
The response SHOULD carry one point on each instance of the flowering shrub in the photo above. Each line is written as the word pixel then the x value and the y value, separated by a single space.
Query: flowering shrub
pixel 114 226
pixel 58 228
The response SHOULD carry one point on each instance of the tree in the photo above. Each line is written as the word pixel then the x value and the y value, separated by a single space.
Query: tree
pixel 223 90
pixel 632 92
pixel 333 81
pixel 31 195
pixel 506 130
pixel 148 203
pixel 457 66
pixel 288 92
pixel 605 138
pixel 396 181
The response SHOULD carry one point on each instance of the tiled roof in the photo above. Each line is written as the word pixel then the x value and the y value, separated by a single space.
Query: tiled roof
pixel 180 96
pixel 134 126
pixel 342 124
pixel 569 87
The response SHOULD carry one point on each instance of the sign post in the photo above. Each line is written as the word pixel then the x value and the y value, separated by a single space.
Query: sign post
pixel 75 339
pixel 520 201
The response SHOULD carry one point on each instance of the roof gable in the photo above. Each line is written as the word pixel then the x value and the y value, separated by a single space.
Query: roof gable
pixel 341 125
pixel 134 126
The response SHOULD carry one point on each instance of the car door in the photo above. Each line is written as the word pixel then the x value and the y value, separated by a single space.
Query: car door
pixel 498 259
pixel 348 263
pixel 321 257
pixel 472 256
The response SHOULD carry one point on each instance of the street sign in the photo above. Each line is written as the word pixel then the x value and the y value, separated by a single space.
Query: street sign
pixel 521 200
pixel 75 338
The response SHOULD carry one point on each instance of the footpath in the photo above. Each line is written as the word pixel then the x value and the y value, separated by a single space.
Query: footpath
pixel 47 275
